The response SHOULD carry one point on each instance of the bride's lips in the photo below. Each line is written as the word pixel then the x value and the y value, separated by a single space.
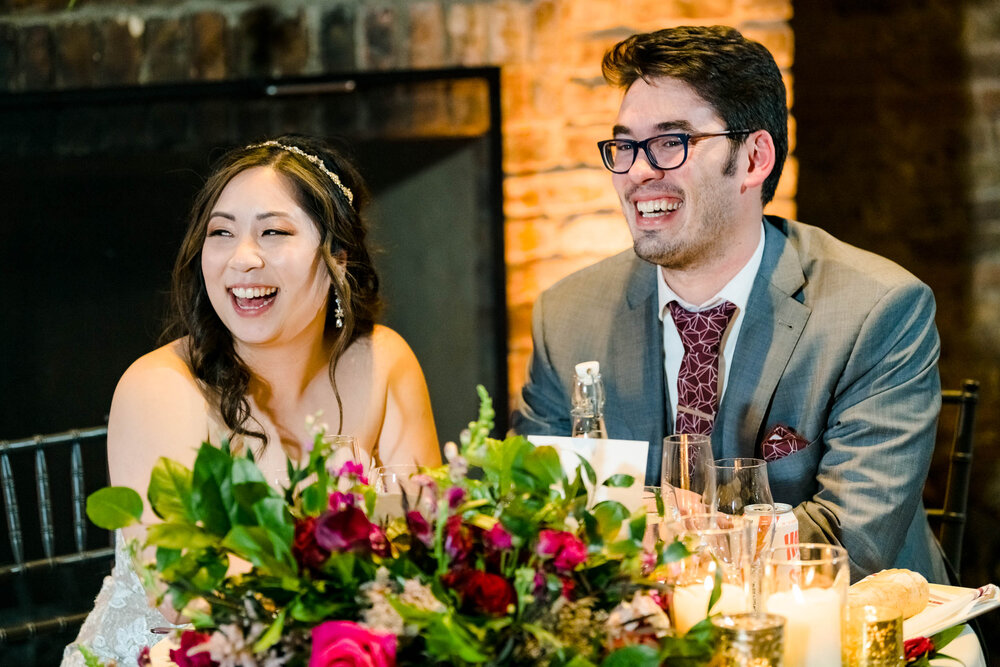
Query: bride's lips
pixel 252 300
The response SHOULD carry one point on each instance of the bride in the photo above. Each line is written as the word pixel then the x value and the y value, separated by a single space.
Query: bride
pixel 274 305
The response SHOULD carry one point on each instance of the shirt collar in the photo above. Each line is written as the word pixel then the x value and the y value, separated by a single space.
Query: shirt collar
pixel 736 291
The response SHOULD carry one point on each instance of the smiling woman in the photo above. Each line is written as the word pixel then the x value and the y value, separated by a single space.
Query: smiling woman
pixel 275 301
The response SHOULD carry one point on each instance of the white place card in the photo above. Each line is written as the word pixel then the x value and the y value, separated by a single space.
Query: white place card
pixel 608 457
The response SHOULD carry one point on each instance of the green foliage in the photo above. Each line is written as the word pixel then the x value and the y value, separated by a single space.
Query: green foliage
pixel 114 507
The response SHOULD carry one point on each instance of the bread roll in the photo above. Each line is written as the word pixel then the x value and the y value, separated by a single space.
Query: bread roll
pixel 904 591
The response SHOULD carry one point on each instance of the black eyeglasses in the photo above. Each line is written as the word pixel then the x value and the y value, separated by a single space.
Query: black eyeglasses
pixel 664 151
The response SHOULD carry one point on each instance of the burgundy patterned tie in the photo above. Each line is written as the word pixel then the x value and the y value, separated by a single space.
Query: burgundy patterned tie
pixel 698 379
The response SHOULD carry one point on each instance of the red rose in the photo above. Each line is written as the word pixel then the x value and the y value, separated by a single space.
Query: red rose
pixel 344 530
pixel 457 538
pixel 481 591
pixel 189 640
pixel 144 659
pixel 308 554
pixel 916 647
pixel 346 644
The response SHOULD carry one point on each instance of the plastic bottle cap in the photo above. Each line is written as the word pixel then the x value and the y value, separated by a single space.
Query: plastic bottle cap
pixel 586 371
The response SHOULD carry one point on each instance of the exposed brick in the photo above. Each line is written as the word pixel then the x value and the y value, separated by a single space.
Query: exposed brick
pixel 121 53
pixel 568 192
pixel 208 57
pixel 699 10
pixel 167 47
pixel 507 32
pixel 593 15
pixel 589 100
pixel 338 46
pixel 76 52
pixel 427 35
pixel 36 58
pixel 466 28
pixel 764 9
pixel 776 36
pixel 381 46
pixel 548 42
pixel 468 107
pixel 581 144
pixel 533 146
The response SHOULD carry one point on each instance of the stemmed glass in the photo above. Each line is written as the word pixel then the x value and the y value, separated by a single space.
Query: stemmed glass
pixel 391 483
pixel 742 489
pixel 688 476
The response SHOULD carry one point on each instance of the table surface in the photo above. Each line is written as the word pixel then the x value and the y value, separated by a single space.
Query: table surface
pixel 965 648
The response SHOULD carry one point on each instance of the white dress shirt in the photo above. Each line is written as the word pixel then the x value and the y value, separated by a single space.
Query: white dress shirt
pixel 737 292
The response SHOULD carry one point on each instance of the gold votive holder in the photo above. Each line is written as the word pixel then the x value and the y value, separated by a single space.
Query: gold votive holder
pixel 873 637
pixel 748 640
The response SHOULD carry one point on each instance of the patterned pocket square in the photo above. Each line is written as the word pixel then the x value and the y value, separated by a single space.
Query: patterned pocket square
pixel 781 441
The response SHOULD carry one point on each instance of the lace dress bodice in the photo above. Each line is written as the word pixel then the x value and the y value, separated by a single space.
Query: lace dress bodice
pixel 119 625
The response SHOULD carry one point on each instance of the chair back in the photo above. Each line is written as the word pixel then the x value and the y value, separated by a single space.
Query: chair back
pixel 951 516
pixel 52 560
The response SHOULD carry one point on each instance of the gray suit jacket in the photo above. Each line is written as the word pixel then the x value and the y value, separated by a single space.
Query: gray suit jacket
pixel 837 344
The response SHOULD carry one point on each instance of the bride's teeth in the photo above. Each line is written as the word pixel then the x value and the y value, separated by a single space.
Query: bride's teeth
pixel 253 292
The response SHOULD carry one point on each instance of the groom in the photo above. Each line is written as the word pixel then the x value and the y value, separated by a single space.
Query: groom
pixel 779 340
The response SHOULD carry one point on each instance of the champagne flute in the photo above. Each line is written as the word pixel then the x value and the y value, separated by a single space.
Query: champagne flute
pixel 741 483
pixel 688 476
pixel 391 483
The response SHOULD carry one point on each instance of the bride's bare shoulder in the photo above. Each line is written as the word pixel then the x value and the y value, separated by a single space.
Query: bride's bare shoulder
pixel 161 375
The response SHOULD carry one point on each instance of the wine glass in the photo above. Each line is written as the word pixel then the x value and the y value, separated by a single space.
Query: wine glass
pixel 391 483
pixel 346 448
pixel 742 489
pixel 688 476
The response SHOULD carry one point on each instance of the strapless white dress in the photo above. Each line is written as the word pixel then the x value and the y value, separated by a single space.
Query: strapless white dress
pixel 119 625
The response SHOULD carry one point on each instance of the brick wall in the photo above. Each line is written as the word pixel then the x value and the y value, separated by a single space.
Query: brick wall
pixel 561 211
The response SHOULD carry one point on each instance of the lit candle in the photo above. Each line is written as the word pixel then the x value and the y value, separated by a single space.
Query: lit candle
pixel 691 602
pixel 812 625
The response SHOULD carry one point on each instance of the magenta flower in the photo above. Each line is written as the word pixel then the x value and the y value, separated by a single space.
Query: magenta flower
pixel 344 530
pixel 419 528
pixel 350 468
pixel 339 501
pixel 346 644
pixel 497 538
pixel 565 548
pixel 456 495
pixel 457 538
pixel 379 542
pixel 183 657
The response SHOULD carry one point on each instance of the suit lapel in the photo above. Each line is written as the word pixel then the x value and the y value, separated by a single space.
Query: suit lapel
pixel 771 329
pixel 637 357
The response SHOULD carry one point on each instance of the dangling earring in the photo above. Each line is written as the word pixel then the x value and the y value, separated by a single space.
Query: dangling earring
pixel 338 313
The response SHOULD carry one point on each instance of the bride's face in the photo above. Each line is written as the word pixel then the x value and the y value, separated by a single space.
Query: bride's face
pixel 263 270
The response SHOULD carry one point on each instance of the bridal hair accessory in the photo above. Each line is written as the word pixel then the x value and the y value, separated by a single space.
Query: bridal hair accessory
pixel 315 160
pixel 339 313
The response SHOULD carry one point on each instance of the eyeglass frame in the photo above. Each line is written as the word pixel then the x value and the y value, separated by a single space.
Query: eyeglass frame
pixel 684 137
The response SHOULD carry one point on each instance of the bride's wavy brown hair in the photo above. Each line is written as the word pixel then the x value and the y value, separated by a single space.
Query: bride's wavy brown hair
pixel 213 358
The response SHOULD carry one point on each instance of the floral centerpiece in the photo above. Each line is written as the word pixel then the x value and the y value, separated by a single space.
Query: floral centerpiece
pixel 499 557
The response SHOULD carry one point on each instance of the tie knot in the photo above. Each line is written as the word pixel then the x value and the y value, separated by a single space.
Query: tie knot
pixel 703 328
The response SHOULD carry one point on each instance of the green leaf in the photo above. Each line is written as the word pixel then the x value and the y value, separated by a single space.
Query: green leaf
pixel 272 635
pixel 448 640
pixel 170 491
pixel 114 507
pixel 89 659
pixel 633 656
pixel 589 469
pixel 179 536
pixel 610 515
pixel 716 590
pixel 944 637
pixel 619 481
pixel 212 507
pixel 543 463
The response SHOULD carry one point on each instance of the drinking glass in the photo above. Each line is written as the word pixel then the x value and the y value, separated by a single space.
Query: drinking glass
pixel 391 483
pixel 718 545
pixel 742 483
pixel 652 500
pixel 873 636
pixel 809 589
pixel 688 476
pixel 346 448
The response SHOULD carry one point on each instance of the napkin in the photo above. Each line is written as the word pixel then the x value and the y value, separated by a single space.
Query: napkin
pixel 781 441
pixel 607 457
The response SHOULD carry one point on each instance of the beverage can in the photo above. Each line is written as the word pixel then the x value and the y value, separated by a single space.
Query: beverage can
pixel 786 527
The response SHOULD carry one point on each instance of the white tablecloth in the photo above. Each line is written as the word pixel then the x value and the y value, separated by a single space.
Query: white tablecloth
pixel 964 648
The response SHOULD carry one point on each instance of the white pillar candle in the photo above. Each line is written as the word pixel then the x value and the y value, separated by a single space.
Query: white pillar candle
pixel 691 602
pixel 812 625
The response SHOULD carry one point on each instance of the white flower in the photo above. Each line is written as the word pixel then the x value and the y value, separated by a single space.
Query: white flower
pixel 642 610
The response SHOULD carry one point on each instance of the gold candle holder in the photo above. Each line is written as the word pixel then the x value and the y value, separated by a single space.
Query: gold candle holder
pixel 748 640
pixel 873 637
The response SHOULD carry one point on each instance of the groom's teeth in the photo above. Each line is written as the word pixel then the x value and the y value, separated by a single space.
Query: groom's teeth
pixel 657 206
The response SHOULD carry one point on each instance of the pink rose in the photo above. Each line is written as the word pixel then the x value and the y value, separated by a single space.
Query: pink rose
pixel 566 548
pixel 344 530
pixel 419 528
pixel 346 644
pixel 497 538
pixel 189 640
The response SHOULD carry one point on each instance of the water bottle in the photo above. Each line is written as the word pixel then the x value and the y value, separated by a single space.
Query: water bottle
pixel 587 413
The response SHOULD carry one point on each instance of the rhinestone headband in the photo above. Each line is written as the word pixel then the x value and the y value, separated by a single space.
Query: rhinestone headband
pixel 315 160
